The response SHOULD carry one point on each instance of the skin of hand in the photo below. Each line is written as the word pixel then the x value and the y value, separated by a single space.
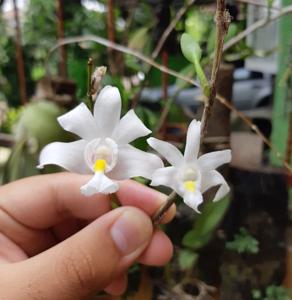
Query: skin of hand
pixel 58 244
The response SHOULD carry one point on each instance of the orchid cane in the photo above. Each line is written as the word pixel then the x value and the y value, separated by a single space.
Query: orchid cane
pixel 189 175
pixel 103 149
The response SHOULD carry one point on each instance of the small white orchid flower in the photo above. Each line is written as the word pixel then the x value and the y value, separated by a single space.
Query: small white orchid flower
pixel 190 176
pixel 104 148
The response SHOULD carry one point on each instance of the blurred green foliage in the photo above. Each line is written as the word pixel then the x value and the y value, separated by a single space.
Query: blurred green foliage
pixel 36 126
pixel 243 242
pixel 272 292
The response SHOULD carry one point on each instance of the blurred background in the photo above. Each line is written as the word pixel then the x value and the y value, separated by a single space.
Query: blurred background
pixel 239 248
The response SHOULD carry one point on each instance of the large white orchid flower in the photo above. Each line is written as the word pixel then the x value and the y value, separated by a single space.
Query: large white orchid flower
pixel 190 176
pixel 104 148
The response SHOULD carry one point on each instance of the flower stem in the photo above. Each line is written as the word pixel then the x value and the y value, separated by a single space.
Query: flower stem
pixel 115 203
pixel 157 217
pixel 89 85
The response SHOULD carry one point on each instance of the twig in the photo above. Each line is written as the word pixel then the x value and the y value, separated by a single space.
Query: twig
pixel 164 113
pixel 257 131
pixel 261 3
pixel 148 60
pixel 222 19
pixel 170 27
pixel 89 85
pixel 255 26
pixel 89 74
pixel 123 49
pixel 165 80
pixel 157 217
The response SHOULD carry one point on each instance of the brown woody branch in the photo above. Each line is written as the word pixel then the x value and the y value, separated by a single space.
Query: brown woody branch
pixel 222 19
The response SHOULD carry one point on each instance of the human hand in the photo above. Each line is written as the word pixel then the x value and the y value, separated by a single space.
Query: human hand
pixel 57 244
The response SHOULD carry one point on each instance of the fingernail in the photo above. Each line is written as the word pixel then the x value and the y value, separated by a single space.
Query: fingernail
pixel 131 231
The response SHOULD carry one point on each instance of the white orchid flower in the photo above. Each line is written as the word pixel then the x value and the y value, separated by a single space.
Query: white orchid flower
pixel 190 176
pixel 104 148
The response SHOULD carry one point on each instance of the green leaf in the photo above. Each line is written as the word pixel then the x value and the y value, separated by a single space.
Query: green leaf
pixel 192 52
pixel 206 223
pixel 190 48
pixel 212 214
pixel 139 38
pixel 187 259
pixel 195 240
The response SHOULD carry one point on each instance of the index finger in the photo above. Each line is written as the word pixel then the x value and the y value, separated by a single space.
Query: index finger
pixel 43 201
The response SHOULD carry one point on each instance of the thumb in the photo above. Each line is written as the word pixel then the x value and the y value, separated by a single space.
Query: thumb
pixel 84 263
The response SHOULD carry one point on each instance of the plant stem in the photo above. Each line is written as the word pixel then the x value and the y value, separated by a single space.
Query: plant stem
pixel 222 19
pixel 157 217
pixel 89 87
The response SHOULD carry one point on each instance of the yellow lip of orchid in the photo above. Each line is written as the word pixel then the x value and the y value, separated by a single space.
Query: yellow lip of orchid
pixel 190 186
pixel 100 165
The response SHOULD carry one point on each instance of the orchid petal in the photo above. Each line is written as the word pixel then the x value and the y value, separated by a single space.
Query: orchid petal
pixel 79 121
pixel 129 128
pixel 213 178
pixel 213 160
pixel 165 176
pixel 167 150
pixel 193 141
pixel 193 200
pixel 133 162
pixel 99 183
pixel 107 110
pixel 70 156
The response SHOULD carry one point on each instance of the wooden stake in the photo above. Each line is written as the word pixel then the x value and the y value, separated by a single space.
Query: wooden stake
pixel 61 35
pixel 19 56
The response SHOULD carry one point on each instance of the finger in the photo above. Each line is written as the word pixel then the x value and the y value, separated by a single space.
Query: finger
pixel 65 229
pixel 43 201
pixel 149 200
pixel 84 263
pixel 30 240
pixel 118 286
pixel 159 251
pixel 9 251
